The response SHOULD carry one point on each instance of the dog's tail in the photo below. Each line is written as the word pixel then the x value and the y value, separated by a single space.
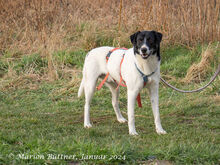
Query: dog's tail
pixel 81 88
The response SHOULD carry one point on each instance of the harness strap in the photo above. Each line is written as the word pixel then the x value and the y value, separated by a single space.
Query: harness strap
pixel 121 79
pixel 122 82
pixel 110 52
pixel 106 77
pixel 139 98
pixel 103 81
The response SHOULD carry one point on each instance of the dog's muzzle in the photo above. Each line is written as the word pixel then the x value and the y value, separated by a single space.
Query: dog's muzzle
pixel 145 53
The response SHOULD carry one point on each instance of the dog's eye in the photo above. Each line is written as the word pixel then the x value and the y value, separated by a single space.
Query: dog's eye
pixel 150 40
pixel 140 39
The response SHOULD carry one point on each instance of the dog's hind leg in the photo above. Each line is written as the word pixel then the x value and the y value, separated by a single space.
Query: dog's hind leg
pixel 89 89
pixel 115 93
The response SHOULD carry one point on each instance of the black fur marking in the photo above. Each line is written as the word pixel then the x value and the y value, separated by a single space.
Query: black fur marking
pixel 152 39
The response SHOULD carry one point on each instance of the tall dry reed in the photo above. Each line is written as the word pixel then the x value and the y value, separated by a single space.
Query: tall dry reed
pixel 28 26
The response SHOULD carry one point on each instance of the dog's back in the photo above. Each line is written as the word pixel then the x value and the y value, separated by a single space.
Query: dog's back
pixel 94 65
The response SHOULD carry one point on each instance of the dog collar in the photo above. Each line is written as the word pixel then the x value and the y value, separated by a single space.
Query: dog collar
pixel 145 77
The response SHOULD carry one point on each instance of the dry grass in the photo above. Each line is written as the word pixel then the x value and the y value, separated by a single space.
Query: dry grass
pixel 198 72
pixel 26 81
pixel 217 99
pixel 33 25
pixel 68 88
pixel 45 26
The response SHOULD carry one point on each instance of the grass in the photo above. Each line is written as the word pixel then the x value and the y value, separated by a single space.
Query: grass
pixel 42 121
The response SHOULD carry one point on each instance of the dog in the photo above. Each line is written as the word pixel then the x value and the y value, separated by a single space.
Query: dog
pixel 140 66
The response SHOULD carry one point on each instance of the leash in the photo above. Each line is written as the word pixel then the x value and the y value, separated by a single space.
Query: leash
pixel 195 90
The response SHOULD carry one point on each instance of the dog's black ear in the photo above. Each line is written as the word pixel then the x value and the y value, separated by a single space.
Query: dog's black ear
pixel 158 36
pixel 133 37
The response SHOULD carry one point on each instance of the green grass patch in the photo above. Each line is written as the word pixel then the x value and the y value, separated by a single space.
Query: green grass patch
pixel 72 58
pixel 39 126
pixel 177 60
pixel 29 62
pixel 37 122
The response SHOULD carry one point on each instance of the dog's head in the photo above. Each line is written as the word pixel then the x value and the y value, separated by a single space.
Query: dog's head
pixel 146 43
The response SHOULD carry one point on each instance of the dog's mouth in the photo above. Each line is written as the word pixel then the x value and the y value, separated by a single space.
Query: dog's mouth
pixel 145 55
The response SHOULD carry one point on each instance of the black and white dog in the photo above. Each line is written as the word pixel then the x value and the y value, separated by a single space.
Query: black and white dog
pixel 141 64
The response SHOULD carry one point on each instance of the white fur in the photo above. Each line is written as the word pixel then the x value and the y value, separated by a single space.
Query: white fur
pixel 95 65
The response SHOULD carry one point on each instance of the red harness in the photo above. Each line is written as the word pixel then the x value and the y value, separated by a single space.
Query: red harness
pixel 121 82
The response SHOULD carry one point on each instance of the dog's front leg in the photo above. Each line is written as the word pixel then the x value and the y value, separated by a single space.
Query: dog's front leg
pixel 153 89
pixel 131 105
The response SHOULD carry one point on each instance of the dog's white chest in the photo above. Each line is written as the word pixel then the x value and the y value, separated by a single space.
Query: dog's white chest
pixel 147 66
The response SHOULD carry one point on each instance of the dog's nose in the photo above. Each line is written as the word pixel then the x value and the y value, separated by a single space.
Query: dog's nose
pixel 144 50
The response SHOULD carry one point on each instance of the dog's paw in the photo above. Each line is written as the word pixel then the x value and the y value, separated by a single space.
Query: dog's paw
pixel 133 133
pixel 161 131
pixel 122 120
pixel 87 125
